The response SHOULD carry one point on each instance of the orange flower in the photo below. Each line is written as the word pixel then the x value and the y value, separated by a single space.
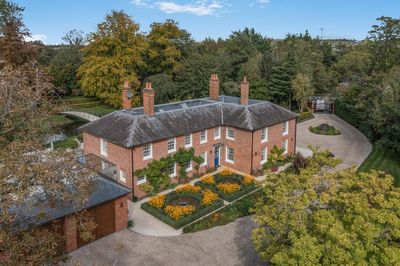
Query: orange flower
pixel 209 197
pixel 176 212
pixel 226 172
pixel 188 188
pixel 209 179
pixel 157 201
pixel 228 187
pixel 248 180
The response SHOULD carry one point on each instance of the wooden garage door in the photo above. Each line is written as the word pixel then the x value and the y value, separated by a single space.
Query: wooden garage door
pixel 105 220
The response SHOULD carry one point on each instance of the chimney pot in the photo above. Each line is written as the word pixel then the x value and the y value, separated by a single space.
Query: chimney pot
pixel 214 87
pixel 148 99
pixel 244 92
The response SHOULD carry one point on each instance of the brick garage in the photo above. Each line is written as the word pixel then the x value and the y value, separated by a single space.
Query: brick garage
pixel 107 204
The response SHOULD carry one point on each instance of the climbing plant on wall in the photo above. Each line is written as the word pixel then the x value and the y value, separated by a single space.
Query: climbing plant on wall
pixel 157 174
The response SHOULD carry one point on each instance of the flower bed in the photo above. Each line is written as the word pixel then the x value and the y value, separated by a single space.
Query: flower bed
pixel 183 206
pixel 228 185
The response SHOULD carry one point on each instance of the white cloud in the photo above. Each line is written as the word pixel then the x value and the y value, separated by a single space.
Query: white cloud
pixel 199 8
pixel 36 37
pixel 263 3
pixel 142 3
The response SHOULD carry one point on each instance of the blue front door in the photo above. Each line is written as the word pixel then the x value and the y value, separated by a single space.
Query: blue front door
pixel 216 160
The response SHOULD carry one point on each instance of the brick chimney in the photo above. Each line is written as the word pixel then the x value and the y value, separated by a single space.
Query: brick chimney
pixel 148 99
pixel 244 92
pixel 126 102
pixel 214 87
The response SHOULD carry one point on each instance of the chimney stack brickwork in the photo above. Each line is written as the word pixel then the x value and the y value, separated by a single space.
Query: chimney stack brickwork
pixel 148 99
pixel 126 102
pixel 244 92
pixel 214 87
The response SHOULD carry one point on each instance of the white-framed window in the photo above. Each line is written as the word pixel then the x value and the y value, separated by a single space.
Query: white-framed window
pixel 230 155
pixel 264 135
pixel 147 151
pixel 217 132
pixel 230 133
pixel 172 170
pixel 188 140
pixel 285 146
pixel 204 156
pixel 141 180
pixel 203 136
pixel 103 147
pixel 264 155
pixel 171 145
pixel 285 128
pixel 104 165
pixel 122 176
pixel 189 166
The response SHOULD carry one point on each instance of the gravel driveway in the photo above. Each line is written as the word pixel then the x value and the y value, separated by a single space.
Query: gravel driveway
pixel 351 146
pixel 223 245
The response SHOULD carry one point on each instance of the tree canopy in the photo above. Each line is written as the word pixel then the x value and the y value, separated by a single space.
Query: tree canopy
pixel 319 217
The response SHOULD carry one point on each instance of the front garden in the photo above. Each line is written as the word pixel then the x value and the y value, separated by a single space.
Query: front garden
pixel 189 203
pixel 183 206
pixel 227 184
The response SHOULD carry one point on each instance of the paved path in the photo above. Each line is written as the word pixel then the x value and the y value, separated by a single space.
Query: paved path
pixel 223 245
pixel 351 146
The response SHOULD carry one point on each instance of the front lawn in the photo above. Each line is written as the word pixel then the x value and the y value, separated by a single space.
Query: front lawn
pixel 182 206
pixel 228 185
pixel 383 159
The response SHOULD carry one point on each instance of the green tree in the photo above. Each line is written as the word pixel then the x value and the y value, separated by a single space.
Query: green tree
pixel 165 42
pixel 386 110
pixel 165 88
pixel 385 39
pixel 115 53
pixel 64 66
pixel 323 218
pixel 302 90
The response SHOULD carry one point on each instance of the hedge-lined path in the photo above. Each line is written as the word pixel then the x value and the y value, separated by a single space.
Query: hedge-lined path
pixel 351 145
pixel 223 245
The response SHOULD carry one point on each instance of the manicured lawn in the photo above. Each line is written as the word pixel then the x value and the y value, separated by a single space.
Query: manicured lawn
pixel 226 215
pixel 182 206
pixel 90 105
pixel 383 159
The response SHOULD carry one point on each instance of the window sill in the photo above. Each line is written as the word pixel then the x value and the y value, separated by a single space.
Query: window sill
pixel 229 161
pixel 103 154
pixel 230 138
pixel 172 175
pixel 189 169
pixel 217 138
pixel 171 151
pixel 203 142
pixel 188 146
pixel 264 141
pixel 285 133
pixel 147 158
pixel 141 182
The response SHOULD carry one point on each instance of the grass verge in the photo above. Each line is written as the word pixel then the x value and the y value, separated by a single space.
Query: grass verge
pixel 383 159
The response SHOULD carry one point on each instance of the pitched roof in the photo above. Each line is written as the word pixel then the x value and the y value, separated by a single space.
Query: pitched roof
pixel 38 211
pixel 130 128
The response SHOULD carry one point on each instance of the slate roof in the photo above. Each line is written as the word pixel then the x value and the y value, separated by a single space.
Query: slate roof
pixel 130 128
pixel 39 211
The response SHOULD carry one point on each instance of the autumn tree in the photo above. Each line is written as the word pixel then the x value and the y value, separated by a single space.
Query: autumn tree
pixel 302 90
pixel 114 54
pixel 164 50
pixel 319 217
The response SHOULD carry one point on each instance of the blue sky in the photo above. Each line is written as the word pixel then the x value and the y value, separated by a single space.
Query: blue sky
pixel 49 20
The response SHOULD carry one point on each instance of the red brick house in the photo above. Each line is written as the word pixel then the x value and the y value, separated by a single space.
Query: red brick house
pixel 224 130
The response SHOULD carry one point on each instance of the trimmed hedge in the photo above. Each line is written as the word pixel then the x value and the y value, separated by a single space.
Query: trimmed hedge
pixel 304 116
pixel 199 212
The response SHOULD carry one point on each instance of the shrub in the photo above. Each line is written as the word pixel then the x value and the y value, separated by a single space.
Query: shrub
pixel 157 201
pixel 228 187
pixel 248 180
pixel 176 212
pixel 304 116
pixel 188 188
pixel 209 179
pixel 209 197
